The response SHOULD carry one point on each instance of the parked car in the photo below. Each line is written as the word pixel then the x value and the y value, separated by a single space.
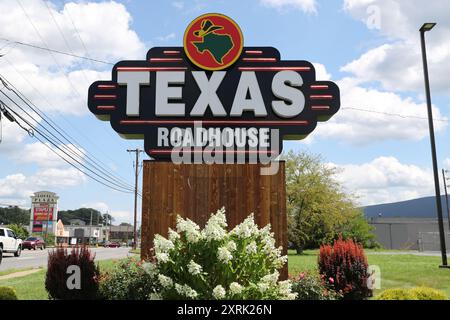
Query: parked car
pixel 33 243
pixel 111 244
pixel 9 242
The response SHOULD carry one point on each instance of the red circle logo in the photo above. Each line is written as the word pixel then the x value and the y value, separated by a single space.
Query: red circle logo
pixel 213 41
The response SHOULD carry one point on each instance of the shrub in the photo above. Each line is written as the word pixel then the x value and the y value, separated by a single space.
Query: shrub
pixel 418 293
pixel 216 264
pixel 7 293
pixel 312 287
pixel 56 282
pixel 344 267
pixel 396 294
pixel 129 280
pixel 425 293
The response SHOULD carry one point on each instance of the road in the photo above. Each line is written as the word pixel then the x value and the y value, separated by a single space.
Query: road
pixel 38 258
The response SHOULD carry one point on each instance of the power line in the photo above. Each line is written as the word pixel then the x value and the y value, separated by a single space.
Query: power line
pixel 76 29
pixel 78 154
pixel 57 129
pixel 45 45
pixel 80 132
pixel 394 114
pixel 55 145
pixel 54 51
pixel 108 183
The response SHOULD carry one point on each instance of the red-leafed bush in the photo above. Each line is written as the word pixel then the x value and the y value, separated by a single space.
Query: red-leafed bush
pixel 72 276
pixel 344 266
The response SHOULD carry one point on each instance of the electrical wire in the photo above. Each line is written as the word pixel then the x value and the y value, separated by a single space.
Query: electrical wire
pixel 65 149
pixel 63 135
pixel 108 184
pixel 394 114
pixel 53 51
pixel 46 46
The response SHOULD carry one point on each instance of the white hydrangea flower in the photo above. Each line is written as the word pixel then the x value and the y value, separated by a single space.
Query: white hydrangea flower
pixel 166 282
pixel 292 296
pixel 285 287
pixel 179 288
pixel 213 232
pixel 263 287
pixel 271 278
pixel 219 292
pixel 215 227
pixel 219 218
pixel 189 292
pixel 162 257
pixel 173 235
pixel 231 246
pixel 235 288
pixel 194 268
pixel 186 291
pixel 190 228
pixel 162 244
pixel 251 248
pixel 224 255
pixel 246 229
pixel 280 261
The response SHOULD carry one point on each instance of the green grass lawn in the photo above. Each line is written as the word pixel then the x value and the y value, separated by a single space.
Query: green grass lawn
pixel 397 270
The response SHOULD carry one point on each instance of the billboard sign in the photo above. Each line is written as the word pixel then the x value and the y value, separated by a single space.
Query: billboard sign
pixel 213 95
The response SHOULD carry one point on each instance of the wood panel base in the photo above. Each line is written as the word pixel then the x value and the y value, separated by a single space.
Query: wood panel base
pixel 195 191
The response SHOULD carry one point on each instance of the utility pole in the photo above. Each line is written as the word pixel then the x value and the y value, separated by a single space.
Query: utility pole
pixel 425 28
pixel 137 151
pixel 446 195
pixel 90 229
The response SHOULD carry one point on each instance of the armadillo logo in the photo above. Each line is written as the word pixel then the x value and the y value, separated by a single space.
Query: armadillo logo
pixel 213 41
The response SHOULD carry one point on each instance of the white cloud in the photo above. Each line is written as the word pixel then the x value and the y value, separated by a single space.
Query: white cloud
pixel 40 154
pixel 20 187
pixel 106 35
pixel 385 179
pixel 321 72
pixel 308 6
pixel 397 65
pixel 118 215
pixel 168 37
pixel 447 164
pixel 379 122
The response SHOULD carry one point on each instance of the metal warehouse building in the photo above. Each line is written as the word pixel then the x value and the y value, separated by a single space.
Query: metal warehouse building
pixel 408 233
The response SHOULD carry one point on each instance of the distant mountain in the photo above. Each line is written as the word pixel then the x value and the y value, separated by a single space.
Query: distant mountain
pixel 416 208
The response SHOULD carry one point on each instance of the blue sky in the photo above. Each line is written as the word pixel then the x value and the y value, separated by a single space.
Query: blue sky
pixel 369 47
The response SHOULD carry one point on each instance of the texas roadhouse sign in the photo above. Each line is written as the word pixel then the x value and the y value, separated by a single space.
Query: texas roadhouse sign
pixel 213 95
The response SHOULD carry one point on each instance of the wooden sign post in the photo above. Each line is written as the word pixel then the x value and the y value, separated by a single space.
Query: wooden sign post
pixel 195 191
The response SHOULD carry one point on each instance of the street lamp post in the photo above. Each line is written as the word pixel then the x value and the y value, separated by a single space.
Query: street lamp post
pixel 427 27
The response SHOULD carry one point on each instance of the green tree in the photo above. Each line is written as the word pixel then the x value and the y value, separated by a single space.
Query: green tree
pixel 82 214
pixel 14 215
pixel 318 208
pixel 19 230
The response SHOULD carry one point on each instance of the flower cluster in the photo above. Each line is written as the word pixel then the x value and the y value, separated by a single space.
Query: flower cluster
pixel 212 263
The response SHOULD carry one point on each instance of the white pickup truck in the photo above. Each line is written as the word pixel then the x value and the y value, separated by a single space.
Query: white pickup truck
pixel 9 242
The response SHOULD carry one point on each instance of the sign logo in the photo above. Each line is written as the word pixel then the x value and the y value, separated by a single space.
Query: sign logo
pixel 214 98
pixel 213 41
